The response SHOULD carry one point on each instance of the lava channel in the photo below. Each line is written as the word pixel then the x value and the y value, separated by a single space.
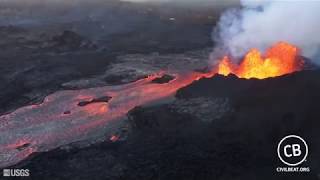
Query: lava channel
pixel 81 115
pixel 77 115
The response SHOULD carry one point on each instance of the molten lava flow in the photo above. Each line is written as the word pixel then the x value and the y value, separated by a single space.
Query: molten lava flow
pixel 280 59
pixel 62 118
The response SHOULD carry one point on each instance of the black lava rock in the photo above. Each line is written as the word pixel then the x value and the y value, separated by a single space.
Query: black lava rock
pixel 164 79
pixel 167 144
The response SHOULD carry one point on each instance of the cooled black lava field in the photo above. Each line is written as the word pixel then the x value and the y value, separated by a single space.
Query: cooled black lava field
pixel 213 127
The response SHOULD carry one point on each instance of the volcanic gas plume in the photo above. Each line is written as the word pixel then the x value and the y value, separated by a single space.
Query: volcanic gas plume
pixel 258 24
pixel 280 59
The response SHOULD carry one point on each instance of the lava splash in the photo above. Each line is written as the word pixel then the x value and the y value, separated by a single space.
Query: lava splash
pixel 282 58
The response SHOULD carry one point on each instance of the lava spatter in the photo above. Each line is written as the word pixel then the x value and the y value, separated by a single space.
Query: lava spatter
pixel 280 59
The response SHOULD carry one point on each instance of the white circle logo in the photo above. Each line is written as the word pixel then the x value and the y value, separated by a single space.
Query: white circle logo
pixel 292 150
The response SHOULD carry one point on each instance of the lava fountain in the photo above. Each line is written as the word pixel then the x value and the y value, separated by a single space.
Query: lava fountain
pixel 282 58
pixel 86 115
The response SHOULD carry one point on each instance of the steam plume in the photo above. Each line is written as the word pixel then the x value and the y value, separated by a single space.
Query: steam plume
pixel 259 24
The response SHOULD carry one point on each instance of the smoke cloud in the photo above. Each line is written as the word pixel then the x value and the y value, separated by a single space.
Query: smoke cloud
pixel 259 24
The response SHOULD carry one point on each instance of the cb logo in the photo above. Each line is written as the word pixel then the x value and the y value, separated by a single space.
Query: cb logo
pixel 292 150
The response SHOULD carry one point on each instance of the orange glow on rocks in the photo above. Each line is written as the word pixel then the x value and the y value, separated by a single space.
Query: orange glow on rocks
pixel 280 59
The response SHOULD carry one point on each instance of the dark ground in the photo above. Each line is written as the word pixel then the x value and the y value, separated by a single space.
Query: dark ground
pixel 36 59
pixel 218 128
pixel 171 142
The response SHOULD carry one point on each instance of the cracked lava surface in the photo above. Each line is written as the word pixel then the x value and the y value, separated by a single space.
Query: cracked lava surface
pixel 78 115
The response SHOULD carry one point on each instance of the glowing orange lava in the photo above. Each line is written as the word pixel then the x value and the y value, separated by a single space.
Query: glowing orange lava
pixel 280 59
pixel 225 66
pixel 59 120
